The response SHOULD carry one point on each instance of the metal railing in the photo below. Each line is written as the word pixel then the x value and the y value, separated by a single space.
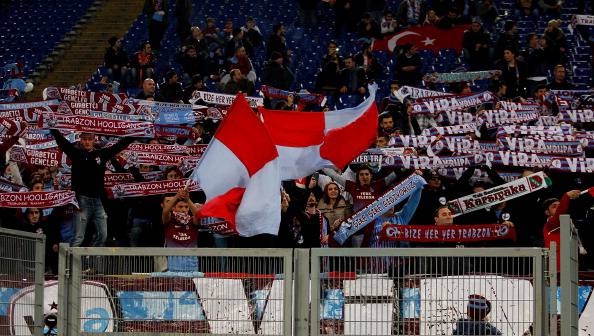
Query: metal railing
pixel 569 277
pixel 423 291
pixel 22 265
pixel 429 291
pixel 135 291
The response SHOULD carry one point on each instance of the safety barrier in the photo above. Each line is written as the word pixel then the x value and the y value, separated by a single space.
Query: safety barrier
pixel 397 291
pixel 428 291
pixel 22 264
pixel 196 291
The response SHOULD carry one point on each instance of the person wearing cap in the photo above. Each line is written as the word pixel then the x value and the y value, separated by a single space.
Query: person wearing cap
pixel 478 309
pixel 276 74
pixel 476 45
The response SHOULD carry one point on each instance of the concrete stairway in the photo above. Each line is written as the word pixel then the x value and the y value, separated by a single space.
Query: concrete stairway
pixel 81 53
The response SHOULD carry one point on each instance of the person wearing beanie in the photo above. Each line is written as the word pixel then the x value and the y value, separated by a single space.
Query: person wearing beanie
pixel 476 324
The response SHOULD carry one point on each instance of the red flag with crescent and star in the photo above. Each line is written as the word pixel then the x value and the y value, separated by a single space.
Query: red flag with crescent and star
pixel 424 38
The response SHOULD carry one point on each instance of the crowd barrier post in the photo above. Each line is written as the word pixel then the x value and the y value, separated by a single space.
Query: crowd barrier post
pixel 22 266
pixel 569 277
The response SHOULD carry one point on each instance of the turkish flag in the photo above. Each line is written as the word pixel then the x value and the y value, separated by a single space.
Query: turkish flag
pixel 424 38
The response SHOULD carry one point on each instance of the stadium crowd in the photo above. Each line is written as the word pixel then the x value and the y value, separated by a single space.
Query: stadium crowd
pixel 314 207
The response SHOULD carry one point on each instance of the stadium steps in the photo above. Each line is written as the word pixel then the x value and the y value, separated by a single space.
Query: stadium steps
pixel 82 50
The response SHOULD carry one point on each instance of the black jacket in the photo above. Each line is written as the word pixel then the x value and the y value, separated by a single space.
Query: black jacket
pixel 88 168
pixel 276 75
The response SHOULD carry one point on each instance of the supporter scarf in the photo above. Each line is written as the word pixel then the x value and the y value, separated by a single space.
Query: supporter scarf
pixel 587 100
pixel 447 118
pixel 218 226
pixel 448 233
pixel 441 104
pixel 37 199
pixel 460 145
pixel 174 131
pixel 18 106
pixel 529 145
pixel 176 116
pixel 196 150
pixel 136 158
pixel 188 164
pixel 47 144
pixel 455 173
pixel 305 98
pixel 110 180
pixel 124 190
pixel 415 93
pixel 495 118
pixel 511 106
pixel 8 186
pixel 80 96
pixel 65 122
pixel 518 159
pixel 418 162
pixel 11 128
pixel 570 94
pixel 85 108
pixel 547 121
pixel 368 214
pixel 29 114
pixel 46 158
pixel 493 196
pixel 516 130
pixel 416 141
pixel 451 130
pixel 456 77
pixel 223 99
pixel 586 20
pixel 576 116
pixel 573 164
pixel 117 116
pixel 158 148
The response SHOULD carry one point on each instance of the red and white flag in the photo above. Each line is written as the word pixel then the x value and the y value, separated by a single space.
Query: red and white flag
pixel 309 141
pixel 424 38
pixel 239 174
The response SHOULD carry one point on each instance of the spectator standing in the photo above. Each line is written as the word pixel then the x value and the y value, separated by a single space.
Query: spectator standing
pixel 352 78
pixel 252 32
pixel 389 24
pixel 277 42
pixel 144 62
pixel 508 40
pixel 411 12
pixel 332 56
pixel 536 64
pixel 368 27
pixel 333 206
pixel 559 79
pixel 156 16
pixel 183 12
pixel 192 64
pixel 476 44
pixel 171 90
pixel 526 8
pixel 556 43
pixel 551 7
pixel 408 66
pixel 238 83
pixel 513 73
pixel 116 60
pixel 276 74
pixel 148 90
pixel 88 171
pixel 365 60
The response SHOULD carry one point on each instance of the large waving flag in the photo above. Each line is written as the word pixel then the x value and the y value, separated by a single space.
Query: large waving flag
pixel 309 141
pixel 239 173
